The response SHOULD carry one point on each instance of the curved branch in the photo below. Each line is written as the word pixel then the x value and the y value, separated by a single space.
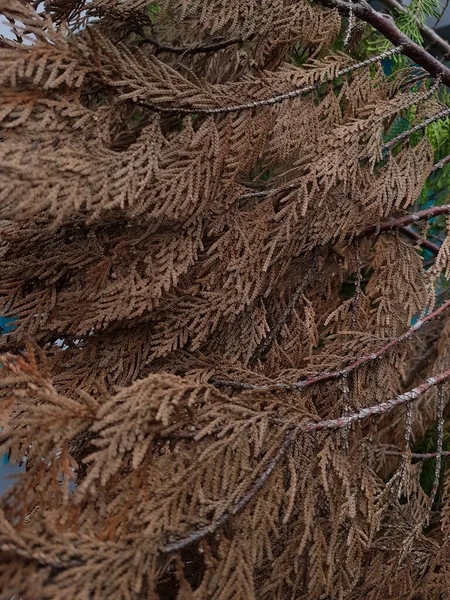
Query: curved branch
pixel 387 28
pixel 419 240
pixel 274 99
pixel 197 534
pixel 406 134
pixel 428 34
pixel 328 376
pixel 195 48
pixel 421 215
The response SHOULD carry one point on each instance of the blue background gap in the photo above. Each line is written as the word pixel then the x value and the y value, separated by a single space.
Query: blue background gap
pixel 7 469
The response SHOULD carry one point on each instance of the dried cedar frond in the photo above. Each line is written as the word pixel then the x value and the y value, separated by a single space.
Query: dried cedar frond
pixel 199 402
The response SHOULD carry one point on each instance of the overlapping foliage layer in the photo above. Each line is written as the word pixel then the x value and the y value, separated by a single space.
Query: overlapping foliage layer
pixel 217 373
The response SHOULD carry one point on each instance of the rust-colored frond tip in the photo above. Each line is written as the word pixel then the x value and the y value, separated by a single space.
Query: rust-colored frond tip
pixel 225 326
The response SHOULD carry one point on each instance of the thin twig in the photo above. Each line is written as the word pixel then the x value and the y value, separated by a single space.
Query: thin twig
pixel 409 132
pixel 328 376
pixel 266 343
pixel 291 186
pixel 401 472
pixel 378 353
pixel 418 455
pixel 274 99
pixel 421 215
pixel 420 241
pixel 194 48
pixel 270 192
pixel 417 79
pixel 439 19
pixel 439 445
pixel 197 534
pixel 440 164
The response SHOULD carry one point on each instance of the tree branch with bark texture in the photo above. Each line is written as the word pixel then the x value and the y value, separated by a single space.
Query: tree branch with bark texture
pixel 419 240
pixel 296 93
pixel 196 535
pixel 419 455
pixel 388 29
pixel 428 34
pixel 401 222
pixel 328 376
pixel 292 431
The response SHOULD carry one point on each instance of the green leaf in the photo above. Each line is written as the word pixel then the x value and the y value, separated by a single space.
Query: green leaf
pixel 152 11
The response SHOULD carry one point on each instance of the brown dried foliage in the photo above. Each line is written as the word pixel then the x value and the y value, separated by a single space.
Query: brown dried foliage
pixel 148 243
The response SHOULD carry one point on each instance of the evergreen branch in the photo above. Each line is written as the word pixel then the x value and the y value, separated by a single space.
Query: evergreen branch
pixel 387 27
pixel 428 33
pixel 274 99
pixel 419 455
pixel 328 376
pixel 406 134
pixel 378 409
pixel 194 48
pixel 419 240
pixel 439 165
pixel 139 217
pixel 291 186
pixel 36 556
pixel 266 343
pixel 198 534
pixel 403 222
pixel 375 355
pixel 328 424
pixel 421 215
